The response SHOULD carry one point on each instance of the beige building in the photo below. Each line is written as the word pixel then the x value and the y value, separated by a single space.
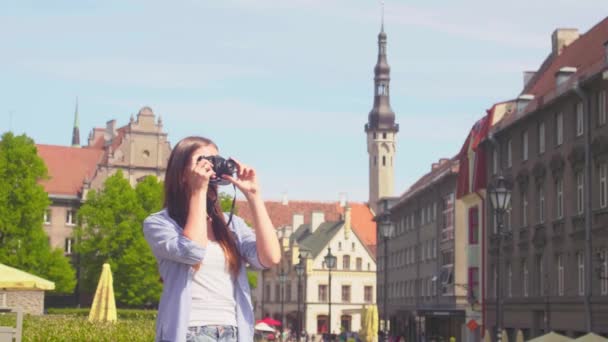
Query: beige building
pixel 353 282
pixel 139 148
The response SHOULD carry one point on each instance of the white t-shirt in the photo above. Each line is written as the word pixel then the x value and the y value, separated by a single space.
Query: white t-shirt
pixel 213 298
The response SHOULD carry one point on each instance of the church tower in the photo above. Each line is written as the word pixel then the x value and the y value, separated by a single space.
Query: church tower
pixel 76 129
pixel 381 130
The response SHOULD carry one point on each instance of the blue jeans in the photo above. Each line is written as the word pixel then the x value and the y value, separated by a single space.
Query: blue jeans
pixel 212 333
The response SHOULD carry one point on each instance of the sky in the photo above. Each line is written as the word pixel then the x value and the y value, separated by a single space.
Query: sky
pixel 282 85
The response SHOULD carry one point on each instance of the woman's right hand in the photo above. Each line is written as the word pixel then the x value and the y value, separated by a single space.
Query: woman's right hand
pixel 200 174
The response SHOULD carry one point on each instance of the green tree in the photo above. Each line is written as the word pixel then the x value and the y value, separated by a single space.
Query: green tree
pixel 109 230
pixel 23 201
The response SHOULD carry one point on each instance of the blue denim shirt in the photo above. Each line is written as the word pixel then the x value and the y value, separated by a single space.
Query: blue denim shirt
pixel 176 254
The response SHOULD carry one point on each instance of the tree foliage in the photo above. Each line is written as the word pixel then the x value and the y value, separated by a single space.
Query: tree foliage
pixel 110 230
pixel 23 201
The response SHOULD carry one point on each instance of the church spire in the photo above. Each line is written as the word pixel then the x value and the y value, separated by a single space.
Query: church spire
pixel 382 117
pixel 76 130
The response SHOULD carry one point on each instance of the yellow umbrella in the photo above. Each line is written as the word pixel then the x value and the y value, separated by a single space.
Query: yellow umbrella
pixel 13 278
pixel 374 323
pixel 520 336
pixel 591 337
pixel 104 305
pixel 487 337
pixel 551 337
pixel 367 332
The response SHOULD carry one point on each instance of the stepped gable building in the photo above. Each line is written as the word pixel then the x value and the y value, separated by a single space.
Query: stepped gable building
pixel 553 147
pixel 139 148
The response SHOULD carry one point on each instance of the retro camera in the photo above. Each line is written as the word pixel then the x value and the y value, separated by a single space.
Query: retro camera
pixel 221 166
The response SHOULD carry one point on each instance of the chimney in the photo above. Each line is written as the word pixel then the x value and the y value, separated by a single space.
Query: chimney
pixel 561 38
pixel 528 76
pixel 347 223
pixel 563 75
pixel 297 221
pixel 110 132
pixel 434 166
pixel 522 101
pixel 318 217
pixel 285 201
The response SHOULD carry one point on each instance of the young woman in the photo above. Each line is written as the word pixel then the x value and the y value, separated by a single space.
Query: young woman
pixel 206 295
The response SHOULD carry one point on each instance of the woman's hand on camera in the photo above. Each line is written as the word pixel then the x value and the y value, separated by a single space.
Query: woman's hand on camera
pixel 246 180
pixel 200 175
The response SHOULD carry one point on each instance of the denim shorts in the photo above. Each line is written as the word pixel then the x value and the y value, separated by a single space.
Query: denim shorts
pixel 212 333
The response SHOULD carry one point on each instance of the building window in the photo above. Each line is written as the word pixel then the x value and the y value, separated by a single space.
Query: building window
pixel 560 276
pixel 541 138
pixel 70 218
pixel 524 144
pixel 524 271
pixel 580 180
pixel 339 246
pixel 604 272
pixel 603 185
pixel 369 266
pixel 288 293
pixel 448 218
pixel 473 225
pixel 69 245
pixel 322 293
pixel 277 293
pixel 352 247
pixel 473 283
pixel 346 293
pixel 559 198
pixel 346 262
pixel 524 209
pixel 359 264
pixel 509 280
pixel 602 109
pixel 383 160
pixel 345 322
pixel 559 129
pixel 267 294
pixel 368 295
pixel 541 204
pixel 580 257
pixel 509 154
pixel 375 160
pixel 579 119
pixel 47 216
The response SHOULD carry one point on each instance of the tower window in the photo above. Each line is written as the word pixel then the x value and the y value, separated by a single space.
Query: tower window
pixel 384 135
pixel 382 89
pixel 383 160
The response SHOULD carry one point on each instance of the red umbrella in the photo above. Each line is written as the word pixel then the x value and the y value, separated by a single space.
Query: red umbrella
pixel 269 321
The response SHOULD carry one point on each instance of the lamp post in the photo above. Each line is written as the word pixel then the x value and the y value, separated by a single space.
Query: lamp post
pixel 282 280
pixel 300 268
pixel 385 229
pixel 500 196
pixel 330 262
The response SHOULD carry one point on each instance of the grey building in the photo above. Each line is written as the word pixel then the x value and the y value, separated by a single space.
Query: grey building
pixel 554 149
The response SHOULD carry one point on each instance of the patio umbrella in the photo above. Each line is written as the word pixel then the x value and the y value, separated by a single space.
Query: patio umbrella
pixel 520 336
pixel 591 337
pixel 264 327
pixel 270 321
pixel 375 322
pixel 367 332
pixel 487 337
pixel 104 305
pixel 551 337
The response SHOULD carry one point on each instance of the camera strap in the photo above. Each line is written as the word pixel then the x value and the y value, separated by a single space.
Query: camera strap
pixel 232 208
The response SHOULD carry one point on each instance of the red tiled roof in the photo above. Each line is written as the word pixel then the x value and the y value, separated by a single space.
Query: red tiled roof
pixel 68 167
pixel 282 215
pixel 584 52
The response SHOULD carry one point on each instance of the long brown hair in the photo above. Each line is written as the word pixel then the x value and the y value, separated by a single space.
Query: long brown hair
pixel 177 198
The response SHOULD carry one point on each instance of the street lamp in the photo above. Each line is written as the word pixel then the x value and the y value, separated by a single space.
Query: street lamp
pixel 300 268
pixel 500 196
pixel 330 262
pixel 282 280
pixel 386 230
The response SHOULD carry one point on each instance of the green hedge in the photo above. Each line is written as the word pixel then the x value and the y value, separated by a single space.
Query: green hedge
pixel 122 313
pixel 75 327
